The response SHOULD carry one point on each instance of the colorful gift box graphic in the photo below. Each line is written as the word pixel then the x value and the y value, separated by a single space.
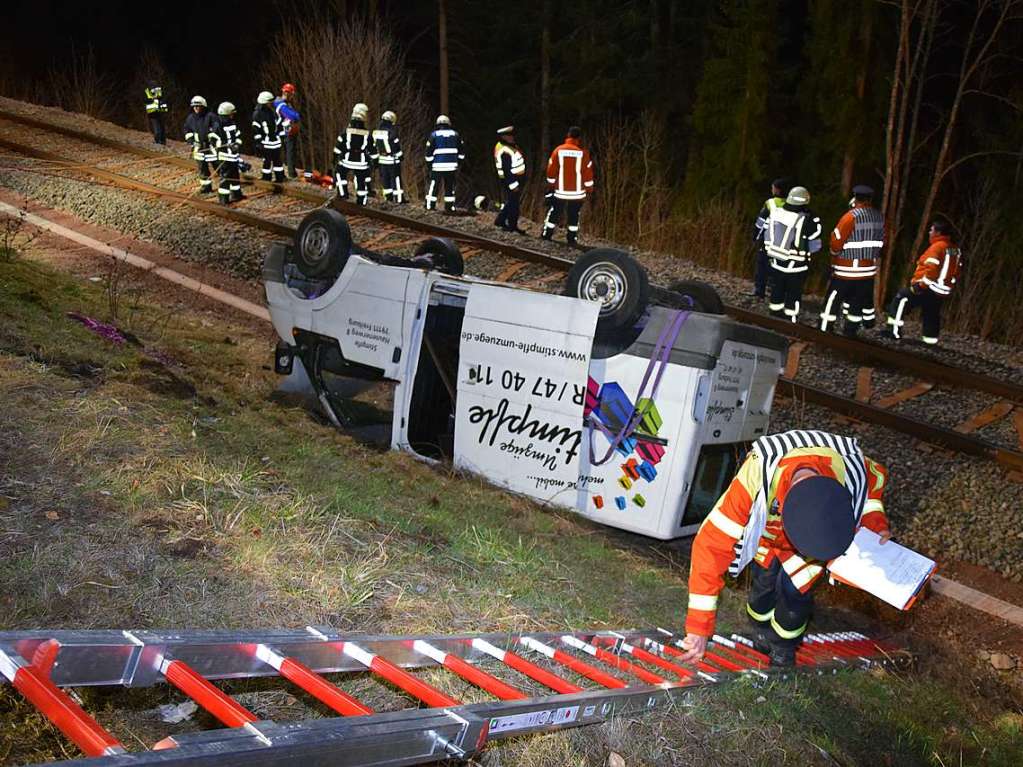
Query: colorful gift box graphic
pixel 650 417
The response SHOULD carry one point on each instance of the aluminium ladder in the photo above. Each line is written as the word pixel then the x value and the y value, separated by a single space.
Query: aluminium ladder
pixel 591 675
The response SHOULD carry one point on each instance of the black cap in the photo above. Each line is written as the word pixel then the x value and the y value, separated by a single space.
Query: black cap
pixel 861 191
pixel 817 516
pixel 506 129
pixel 782 183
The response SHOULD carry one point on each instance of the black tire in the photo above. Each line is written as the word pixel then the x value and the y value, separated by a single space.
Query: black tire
pixel 444 254
pixel 705 298
pixel 323 243
pixel 617 281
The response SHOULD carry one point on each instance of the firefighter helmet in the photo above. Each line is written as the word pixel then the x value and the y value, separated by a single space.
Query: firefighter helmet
pixel 443 120
pixel 360 111
pixel 390 116
pixel 198 101
pixel 225 109
pixel 798 195
pixel 287 88
pixel 265 97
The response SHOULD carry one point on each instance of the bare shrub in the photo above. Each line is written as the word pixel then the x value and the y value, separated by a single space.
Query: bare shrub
pixel 336 64
pixel 81 87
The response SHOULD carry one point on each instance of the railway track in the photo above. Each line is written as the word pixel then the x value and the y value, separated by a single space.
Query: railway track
pixel 276 209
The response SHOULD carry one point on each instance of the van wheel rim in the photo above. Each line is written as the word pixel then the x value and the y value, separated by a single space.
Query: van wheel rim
pixel 605 284
pixel 315 243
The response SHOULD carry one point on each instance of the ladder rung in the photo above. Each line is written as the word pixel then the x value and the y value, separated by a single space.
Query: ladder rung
pixel 302 676
pixel 613 660
pixel 578 666
pixel 470 673
pixel 680 671
pixel 414 686
pixel 523 666
pixel 226 709
pixel 66 715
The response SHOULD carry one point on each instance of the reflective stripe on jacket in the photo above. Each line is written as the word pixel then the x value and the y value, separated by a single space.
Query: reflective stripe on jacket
pixel 856 243
pixel 353 147
pixel 226 139
pixel 386 144
pixel 570 171
pixel 747 515
pixel 938 267
pixel 154 100
pixel 267 127
pixel 444 150
pixel 791 236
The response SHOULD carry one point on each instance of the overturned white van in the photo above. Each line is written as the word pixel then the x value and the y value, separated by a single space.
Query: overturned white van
pixel 632 413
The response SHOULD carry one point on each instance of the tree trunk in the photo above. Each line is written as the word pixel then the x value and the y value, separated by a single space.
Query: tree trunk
pixel 852 148
pixel 442 34
pixel 545 84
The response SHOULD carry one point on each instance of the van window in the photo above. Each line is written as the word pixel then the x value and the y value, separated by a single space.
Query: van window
pixel 714 471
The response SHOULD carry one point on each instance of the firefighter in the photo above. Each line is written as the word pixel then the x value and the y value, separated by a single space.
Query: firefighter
pixel 387 154
pixel 444 151
pixel 570 179
pixel 267 130
pixel 779 189
pixel 226 139
pixel 937 271
pixel 856 244
pixel 794 505
pixel 156 108
pixel 791 236
pixel 511 172
pixel 198 127
pixel 352 152
pixel 290 121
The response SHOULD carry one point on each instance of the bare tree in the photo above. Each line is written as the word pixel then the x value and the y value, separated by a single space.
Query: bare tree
pixel 336 64
pixel 545 80
pixel 442 38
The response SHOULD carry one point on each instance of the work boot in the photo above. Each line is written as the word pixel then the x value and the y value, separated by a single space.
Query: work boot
pixel 572 239
pixel 783 655
pixel 547 234
pixel 762 638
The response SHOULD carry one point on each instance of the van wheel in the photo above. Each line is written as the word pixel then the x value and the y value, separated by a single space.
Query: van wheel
pixel 443 254
pixel 323 243
pixel 616 281
pixel 704 297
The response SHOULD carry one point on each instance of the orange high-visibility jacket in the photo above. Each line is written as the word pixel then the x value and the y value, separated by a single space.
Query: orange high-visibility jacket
pixel 938 267
pixel 570 171
pixel 714 546
pixel 856 243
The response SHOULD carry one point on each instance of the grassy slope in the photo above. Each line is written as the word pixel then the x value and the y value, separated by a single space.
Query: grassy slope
pixel 128 498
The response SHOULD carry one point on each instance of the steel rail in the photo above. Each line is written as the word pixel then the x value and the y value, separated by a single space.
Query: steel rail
pixel 930 433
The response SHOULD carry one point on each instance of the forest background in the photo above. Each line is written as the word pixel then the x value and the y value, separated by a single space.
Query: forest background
pixel 690 107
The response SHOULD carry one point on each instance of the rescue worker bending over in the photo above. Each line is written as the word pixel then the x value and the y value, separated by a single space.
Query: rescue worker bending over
pixel 156 108
pixel 936 273
pixel 511 172
pixel 792 235
pixel 761 269
pixel 352 153
pixel 226 139
pixel 198 127
pixel 444 151
pixel 386 155
pixel 570 177
pixel 794 505
pixel 856 244
pixel 267 129
pixel 290 120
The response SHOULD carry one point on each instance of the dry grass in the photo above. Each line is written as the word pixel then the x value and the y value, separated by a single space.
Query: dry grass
pixel 125 504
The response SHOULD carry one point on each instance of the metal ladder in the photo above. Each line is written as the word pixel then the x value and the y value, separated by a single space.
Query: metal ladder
pixel 589 675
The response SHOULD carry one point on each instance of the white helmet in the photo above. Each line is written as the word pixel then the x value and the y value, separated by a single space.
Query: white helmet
pixel 443 120
pixel 390 116
pixel 198 101
pixel 798 196
pixel 226 108
pixel 265 97
pixel 360 111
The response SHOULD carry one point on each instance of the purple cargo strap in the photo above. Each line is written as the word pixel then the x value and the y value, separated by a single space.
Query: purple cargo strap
pixel 661 354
